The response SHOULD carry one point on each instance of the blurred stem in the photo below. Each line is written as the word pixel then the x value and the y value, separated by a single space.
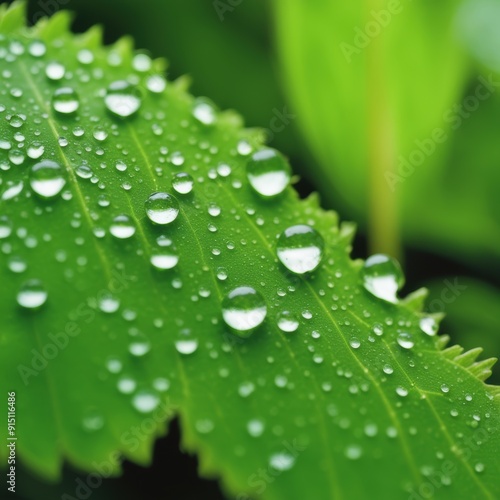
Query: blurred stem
pixel 383 223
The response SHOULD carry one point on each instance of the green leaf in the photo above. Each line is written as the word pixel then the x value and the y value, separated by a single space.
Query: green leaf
pixel 370 84
pixel 336 409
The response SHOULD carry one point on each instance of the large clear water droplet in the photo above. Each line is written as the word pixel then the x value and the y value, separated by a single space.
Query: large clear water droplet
pixel 32 294
pixel 65 100
pixel 383 277
pixel 300 249
pixel 46 178
pixel 122 99
pixel 268 172
pixel 162 208
pixel 244 309
pixel 122 227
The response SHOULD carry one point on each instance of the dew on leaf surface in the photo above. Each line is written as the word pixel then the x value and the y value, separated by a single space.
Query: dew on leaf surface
pixel 122 99
pixel 244 309
pixel 32 294
pixel 47 179
pixel 268 172
pixel 162 208
pixel 300 249
pixel 382 277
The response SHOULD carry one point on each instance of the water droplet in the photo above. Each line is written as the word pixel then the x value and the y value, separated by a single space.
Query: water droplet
pixel 37 48
pixel 244 309
pixel 32 294
pixel 268 172
pixel 479 467
pixel 382 277
pixel 355 343
pixel 145 401
pixel 388 369
pixel 65 100
pixel 282 461
pixel 182 183
pixel 142 62
pixel 405 340
pixel 255 427
pixel 445 388
pixel 401 391
pixel 429 326
pixel 204 426
pixel 353 452
pixel 204 111
pixel 156 84
pixel 85 56
pixel 140 344
pixel 16 121
pixel 17 264
pixel 186 343
pixel 122 99
pixel 126 385
pixel 108 303
pixel 55 71
pixel 114 365
pixel 245 389
pixel 162 208
pixel 84 172
pixel 122 227
pixel 35 150
pixel 300 249
pixel 5 227
pixel 93 421
pixel 287 322
pixel 46 178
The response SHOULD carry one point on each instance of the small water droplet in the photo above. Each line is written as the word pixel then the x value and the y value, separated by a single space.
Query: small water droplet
pixel 156 84
pixel 204 111
pixel 401 391
pixel 65 100
pixel 122 227
pixel 5 227
pixel 429 326
pixel 32 294
pixel 244 309
pixel 300 249
pixel 287 322
pixel 255 427
pixel 46 178
pixel 268 172
pixel 162 208
pixel 405 340
pixel 282 461
pixel 186 343
pixel 126 385
pixel 93 421
pixel 383 277
pixel 55 71
pixel 182 183
pixel 145 401
pixel 353 452
pixel 108 303
pixel 122 99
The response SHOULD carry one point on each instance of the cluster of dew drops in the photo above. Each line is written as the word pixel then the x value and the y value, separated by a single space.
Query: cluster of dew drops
pixel 299 248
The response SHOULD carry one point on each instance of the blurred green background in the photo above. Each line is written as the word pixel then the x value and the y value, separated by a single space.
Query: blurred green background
pixel 390 109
